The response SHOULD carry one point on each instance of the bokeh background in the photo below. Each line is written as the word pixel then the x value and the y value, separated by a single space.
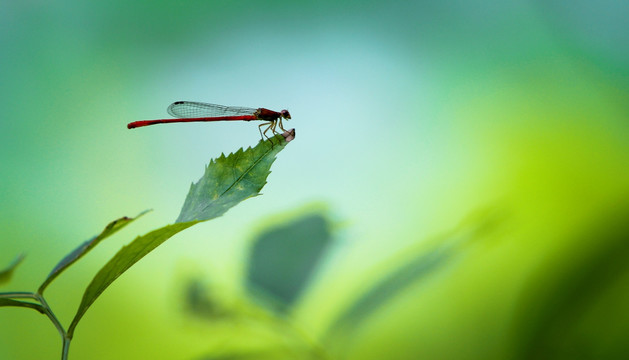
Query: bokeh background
pixel 415 120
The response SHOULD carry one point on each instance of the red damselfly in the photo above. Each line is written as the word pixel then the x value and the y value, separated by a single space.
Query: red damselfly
pixel 190 111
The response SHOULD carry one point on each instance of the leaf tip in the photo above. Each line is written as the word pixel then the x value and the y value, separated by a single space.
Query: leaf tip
pixel 289 135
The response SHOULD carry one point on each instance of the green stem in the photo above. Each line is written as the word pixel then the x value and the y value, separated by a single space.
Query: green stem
pixel 48 311
pixel 64 335
pixel 66 348
pixel 18 295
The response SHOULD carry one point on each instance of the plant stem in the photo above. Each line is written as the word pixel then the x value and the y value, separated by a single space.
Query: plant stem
pixel 66 348
pixel 48 311
pixel 18 295
pixel 55 321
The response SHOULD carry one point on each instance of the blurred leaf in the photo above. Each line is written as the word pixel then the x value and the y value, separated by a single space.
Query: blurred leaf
pixel 84 248
pixel 576 304
pixel 221 188
pixel 7 273
pixel 230 180
pixel 11 302
pixel 283 259
pixel 203 302
pixel 422 265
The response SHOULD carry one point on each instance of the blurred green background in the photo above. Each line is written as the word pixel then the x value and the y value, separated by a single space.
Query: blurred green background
pixel 414 120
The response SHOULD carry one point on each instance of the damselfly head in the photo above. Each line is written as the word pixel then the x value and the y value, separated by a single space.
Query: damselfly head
pixel 285 114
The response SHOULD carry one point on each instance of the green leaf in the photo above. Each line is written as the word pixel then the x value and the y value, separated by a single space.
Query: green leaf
pixel 284 258
pixel 11 302
pixel 230 180
pixel 7 273
pixel 84 248
pixel 121 262
pixel 226 182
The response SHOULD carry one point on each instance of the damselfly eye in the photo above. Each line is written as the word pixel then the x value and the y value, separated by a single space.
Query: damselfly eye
pixel 285 114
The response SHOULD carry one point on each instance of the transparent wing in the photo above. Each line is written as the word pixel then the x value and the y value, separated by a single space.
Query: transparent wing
pixel 191 109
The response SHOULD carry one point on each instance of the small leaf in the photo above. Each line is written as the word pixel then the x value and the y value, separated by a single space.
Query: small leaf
pixel 200 303
pixel 121 262
pixel 7 273
pixel 84 248
pixel 230 180
pixel 204 301
pixel 11 302
pixel 283 259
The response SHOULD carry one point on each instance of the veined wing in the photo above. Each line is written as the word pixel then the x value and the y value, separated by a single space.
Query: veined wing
pixel 191 109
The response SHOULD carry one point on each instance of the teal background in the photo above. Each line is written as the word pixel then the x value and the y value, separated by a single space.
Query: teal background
pixel 410 116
